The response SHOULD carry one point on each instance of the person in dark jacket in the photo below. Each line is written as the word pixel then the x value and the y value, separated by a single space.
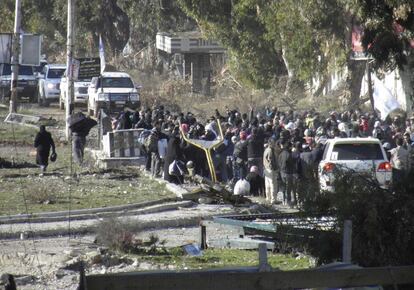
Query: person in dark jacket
pixel 174 152
pixel 43 143
pixel 287 168
pixel 255 149
pixel 240 158
pixel 257 182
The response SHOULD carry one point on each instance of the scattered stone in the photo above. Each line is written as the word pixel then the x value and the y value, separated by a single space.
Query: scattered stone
pixel 145 266
pixel 60 274
pixel 205 200
pixel 94 257
pixel 72 252
pixel 112 261
pixel 73 264
pixel 23 280
pixel 102 250
pixel 48 201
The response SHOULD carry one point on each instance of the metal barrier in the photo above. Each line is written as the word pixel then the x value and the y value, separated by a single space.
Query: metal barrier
pixel 122 143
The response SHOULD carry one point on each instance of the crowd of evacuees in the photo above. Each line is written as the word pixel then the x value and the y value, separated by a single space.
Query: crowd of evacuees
pixel 275 151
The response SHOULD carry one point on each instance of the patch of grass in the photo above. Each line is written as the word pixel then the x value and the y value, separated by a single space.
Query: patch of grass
pixel 219 258
pixel 89 188
pixel 13 133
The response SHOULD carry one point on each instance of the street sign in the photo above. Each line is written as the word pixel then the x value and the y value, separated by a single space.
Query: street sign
pixel 5 47
pixel 30 50
pixel 89 67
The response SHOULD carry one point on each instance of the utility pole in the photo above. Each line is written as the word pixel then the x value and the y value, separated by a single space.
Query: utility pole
pixel 69 64
pixel 370 93
pixel 15 58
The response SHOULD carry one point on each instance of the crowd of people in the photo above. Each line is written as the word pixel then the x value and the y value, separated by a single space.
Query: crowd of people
pixel 277 152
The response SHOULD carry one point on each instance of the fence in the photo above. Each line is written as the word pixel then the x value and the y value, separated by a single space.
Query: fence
pixel 251 279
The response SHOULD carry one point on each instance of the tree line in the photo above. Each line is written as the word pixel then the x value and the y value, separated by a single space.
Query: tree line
pixel 268 42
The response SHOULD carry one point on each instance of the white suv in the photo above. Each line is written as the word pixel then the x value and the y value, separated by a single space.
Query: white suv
pixel 80 91
pixel 49 83
pixel 363 156
pixel 112 91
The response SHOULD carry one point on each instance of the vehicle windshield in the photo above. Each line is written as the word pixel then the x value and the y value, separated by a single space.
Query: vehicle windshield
pixel 24 70
pixel 357 151
pixel 115 83
pixel 55 73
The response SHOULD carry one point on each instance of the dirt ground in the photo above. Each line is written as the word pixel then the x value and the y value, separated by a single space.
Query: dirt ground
pixel 39 263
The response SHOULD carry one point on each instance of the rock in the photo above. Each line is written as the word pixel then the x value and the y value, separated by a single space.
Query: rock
pixel 23 280
pixel 135 263
pixel 73 264
pixel 102 250
pixel 60 274
pixel 145 266
pixel 94 257
pixel 47 201
pixel 112 261
pixel 205 200
pixel 72 252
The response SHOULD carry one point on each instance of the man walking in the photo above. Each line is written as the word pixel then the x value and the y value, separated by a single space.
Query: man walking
pixel 43 142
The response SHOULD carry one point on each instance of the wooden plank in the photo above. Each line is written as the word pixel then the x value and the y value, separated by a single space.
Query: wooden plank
pixel 228 280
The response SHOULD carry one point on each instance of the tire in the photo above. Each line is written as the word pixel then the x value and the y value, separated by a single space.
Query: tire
pixel 33 98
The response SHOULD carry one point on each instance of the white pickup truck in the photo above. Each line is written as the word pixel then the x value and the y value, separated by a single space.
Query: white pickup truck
pixel 80 91
pixel 112 91
pixel 49 83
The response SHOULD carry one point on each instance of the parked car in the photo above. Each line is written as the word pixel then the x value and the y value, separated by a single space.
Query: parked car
pixel 112 91
pixel 49 83
pixel 363 156
pixel 80 91
pixel 26 83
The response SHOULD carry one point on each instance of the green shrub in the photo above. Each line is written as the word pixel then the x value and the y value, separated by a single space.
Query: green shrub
pixel 383 220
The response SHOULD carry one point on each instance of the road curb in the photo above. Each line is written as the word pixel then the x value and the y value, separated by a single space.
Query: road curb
pixel 22 218
pixel 107 214
pixel 90 229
